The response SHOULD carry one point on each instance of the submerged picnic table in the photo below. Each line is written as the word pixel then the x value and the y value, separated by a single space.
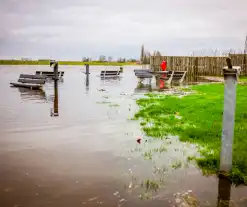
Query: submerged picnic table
pixel 168 76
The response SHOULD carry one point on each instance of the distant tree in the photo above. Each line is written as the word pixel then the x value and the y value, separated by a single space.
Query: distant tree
pixel 121 60
pixel 142 53
pixel 85 59
pixel 102 58
pixel 109 58
pixel 146 59
pixel 158 53
pixel 132 60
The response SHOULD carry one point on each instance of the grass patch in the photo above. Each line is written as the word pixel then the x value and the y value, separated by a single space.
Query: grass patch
pixel 46 62
pixel 197 118
pixel 243 78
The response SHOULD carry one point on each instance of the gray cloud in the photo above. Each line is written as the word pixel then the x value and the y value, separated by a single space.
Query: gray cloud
pixel 72 29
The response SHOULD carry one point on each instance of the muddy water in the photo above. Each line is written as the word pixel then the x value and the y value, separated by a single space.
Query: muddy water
pixel 88 155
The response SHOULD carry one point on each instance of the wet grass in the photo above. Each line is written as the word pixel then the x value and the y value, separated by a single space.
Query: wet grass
pixel 197 118
pixel 149 154
pixel 150 185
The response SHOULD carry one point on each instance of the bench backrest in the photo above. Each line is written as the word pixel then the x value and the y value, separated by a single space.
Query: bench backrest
pixel 31 76
pixel 142 70
pixel 32 81
pixel 142 73
pixel 179 74
pixel 109 72
pixel 49 73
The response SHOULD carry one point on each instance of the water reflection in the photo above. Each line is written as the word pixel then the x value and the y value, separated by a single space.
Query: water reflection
pixel 87 83
pixel 224 191
pixel 27 94
pixel 54 111
pixel 110 78
pixel 141 87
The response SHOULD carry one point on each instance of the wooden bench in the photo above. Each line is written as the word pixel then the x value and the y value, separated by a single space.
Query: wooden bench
pixel 28 76
pixel 50 74
pixel 163 75
pixel 29 81
pixel 178 76
pixel 109 73
pixel 142 73
pixel 174 76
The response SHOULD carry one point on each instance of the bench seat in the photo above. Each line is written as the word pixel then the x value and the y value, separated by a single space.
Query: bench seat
pixel 29 81
pixel 109 73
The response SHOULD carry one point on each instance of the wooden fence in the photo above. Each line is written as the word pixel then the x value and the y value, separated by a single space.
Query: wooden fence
pixel 198 66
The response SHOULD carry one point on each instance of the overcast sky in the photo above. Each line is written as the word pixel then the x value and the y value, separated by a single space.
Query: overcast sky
pixel 71 29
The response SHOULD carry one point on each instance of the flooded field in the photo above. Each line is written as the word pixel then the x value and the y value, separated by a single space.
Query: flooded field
pixel 88 154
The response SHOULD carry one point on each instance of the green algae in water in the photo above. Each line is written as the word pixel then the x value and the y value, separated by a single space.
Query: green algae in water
pixel 197 118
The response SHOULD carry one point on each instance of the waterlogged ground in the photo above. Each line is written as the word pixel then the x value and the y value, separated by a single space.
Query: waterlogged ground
pixel 88 155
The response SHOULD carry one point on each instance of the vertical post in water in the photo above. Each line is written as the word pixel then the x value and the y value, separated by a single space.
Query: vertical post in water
pixel 121 69
pixel 54 63
pixel 55 98
pixel 55 70
pixel 230 77
pixel 87 74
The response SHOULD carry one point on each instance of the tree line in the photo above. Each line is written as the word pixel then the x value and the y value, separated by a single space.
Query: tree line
pixel 146 55
pixel 103 58
pixel 144 58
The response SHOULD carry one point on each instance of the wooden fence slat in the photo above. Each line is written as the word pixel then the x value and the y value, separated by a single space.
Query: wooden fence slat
pixel 205 66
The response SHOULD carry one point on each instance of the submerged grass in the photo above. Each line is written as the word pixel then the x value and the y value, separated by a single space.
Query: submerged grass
pixel 197 118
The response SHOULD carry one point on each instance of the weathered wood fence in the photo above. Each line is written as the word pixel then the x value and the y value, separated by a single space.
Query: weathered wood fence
pixel 199 66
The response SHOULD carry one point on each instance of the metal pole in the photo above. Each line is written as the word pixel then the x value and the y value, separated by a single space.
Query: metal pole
pixel 230 76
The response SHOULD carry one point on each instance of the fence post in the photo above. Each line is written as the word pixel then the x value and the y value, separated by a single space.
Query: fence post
pixel 195 71
pixel 230 77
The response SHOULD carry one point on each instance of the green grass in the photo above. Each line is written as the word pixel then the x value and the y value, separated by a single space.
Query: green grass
pixel 29 62
pixel 197 118
pixel 243 78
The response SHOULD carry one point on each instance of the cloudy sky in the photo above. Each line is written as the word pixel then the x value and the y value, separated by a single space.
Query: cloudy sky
pixel 71 29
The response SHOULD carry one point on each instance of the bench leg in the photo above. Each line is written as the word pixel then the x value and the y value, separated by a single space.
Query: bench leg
pixel 182 78
pixel 170 79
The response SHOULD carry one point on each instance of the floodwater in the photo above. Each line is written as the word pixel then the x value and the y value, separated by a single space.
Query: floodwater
pixel 88 154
